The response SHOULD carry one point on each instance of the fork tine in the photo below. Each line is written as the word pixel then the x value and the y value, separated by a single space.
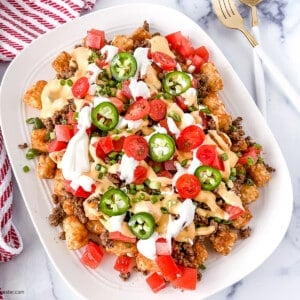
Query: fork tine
pixel 229 16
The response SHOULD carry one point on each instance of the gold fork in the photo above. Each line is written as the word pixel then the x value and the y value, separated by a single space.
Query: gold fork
pixel 229 16
pixel 252 4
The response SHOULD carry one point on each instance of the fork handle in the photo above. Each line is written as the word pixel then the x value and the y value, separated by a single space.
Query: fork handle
pixel 279 78
pixel 259 78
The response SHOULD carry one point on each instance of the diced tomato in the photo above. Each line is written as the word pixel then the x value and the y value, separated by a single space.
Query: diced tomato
pixel 168 267
pixel 104 146
pixel 249 158
pixel 180 43
pixel 118 103
pixel 123 264
pixel 218 163
pixel 207 154
pixel 187 280
pixel 64 132
pixel 197 62
pixel 99 151
pixel 188 186
pixel 71 118
pixel 175 39
pixel 118 143
pixel 202 52
pixel 138 110
pixel 81 87
pixel 180 102
pixel 158 110
pixel 164 61
pixel 106 143
pixel 56 146
pixel 140 175
pixel 165 173
pixel 121 96
pixel 190 138
pixel 156 282
pixel 162 247
pixel 118 236
pixel 234 211
pixel 92 255
pixel 126 90
pixel 136 146
pixel 95 39
pixel 79 192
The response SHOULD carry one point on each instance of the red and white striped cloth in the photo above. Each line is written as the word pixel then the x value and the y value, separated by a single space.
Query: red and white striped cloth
pixel 22 21
pixel 10 240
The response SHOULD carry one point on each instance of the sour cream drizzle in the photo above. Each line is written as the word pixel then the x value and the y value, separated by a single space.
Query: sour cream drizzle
pixel 127 167
pixel 186 213
pixel 147 247
pixel 76 158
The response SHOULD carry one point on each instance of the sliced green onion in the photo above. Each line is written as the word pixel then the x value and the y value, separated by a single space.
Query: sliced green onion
pixel 32 153
pixel 224 156
pixel 175 116
pixel 26 169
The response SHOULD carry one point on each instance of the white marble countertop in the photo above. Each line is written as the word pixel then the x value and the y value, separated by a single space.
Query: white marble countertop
pixel 279 276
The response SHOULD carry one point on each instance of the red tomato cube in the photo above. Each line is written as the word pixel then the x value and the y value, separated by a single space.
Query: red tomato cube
pixel 123 264
pixel 64 132
pixel 187 280
pixel 156 282
pixel 92 255
pixel 95 39
pixel 168 267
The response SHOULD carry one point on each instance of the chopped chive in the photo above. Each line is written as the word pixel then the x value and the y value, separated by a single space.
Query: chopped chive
pixel 184 162
pixel 175 116
pixel 32 153
pixel 69 82
pixel 62 82
pixel 224 156
pixel 26 169
pixel 164 210
pixel 250 161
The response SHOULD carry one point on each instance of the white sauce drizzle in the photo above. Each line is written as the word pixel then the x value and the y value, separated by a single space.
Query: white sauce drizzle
pixel 139 89
pixel 76 158
pixel 110 51
pixel 115 223
pixel 127 167
pixel 173 127
pixel 186 213
pixel 123 123
pixel 93 72
pixel 147 247
pixel 141 56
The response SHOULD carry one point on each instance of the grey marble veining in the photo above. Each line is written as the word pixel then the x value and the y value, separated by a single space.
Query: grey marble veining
pixel 279 276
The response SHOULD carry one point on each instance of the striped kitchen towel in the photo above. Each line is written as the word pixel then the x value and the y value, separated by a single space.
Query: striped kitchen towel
pixel 10 240
pixel 21 21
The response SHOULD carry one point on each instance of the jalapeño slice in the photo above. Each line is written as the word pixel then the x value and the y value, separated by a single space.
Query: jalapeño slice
pixel 176 83
pixel 114 202
pixel 142 225
pixel 209 177
pixel 161 147
pixel 105 116
pixel 123 66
